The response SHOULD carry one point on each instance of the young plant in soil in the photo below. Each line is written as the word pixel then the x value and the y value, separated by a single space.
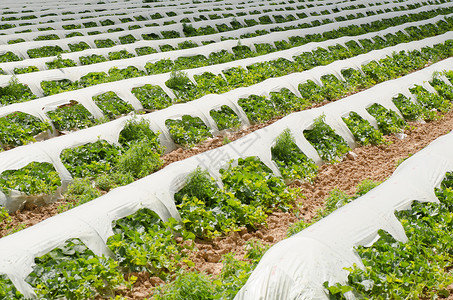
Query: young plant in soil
pixel 330 146
pixel 362 130
pixel 291 161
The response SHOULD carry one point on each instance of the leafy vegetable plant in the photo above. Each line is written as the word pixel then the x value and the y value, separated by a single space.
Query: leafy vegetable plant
pixel 225 118
pixel 111 105
pixel 362 130
pixel 388 121
pixel 291 161
pixel 188 131
pixel 18 129
pixel 330 146
pixel 71 116
pixel 35 178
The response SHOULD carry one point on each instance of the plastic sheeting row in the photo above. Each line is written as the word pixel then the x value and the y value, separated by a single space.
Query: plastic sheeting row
pixel 203 105
pixel 94 16
pixel 75 73
pixel 92 221
pixel 60 31
pixel 297 267
pixel 21 156
pixel 22 48
pixel 126 7
pixel 59 7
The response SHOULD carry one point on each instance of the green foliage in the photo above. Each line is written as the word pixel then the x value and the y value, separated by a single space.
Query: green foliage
pixel 187 45
pixel 210 83
pixel 123 54
pixel 335 200
pixel 91 159
pixel 388 120
pixel 109 181
pixel 225 118
pixel 362 130
pixel 188 131
pixel 116 74
pixel 142 242
pixel 254 184
pixel 107 43
pixel 311 91
pixel 286 102
pixel 182 86
pixel 258 108
pixel 208 211
pixel 170 34
pixel 29 69
pixel 152 97
pixel 44 51
pixel 59 62
pixel 19 128
pixel 137 130
pixel 233 276
pixel 92 59
pixel 73 34
pixel 145 50
pixel 188 286
pixel 333 88
pixel 79 191
pixel 430 100
pixel 73 271
pixel 239 77
pixel 15 41
pixel 9 56
pixel 188 62
pixel 443 89
pixel 127 39
pixel 33 179
pixel 140 160
pixel 71 116
pixel 376 72
pixel 355 80
pixel 330 146
pixel 161 66
pixel 418 268
pixel 411 110
pixel 365 186
pixel 111 105
pixel 15 92
pixel 7 289
pixel 291 161
pixel 58 86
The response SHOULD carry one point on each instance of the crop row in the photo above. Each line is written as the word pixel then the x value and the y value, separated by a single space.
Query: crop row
pixel 94 159
pixel 261 48
pixel 141 241
pixel 57 16
pixel 392 242
pixel 233 30
pixel 168 16
pixel 23 128
pixel 413 269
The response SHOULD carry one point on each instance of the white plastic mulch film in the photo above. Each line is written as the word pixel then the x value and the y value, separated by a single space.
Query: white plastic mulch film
pixel 294 268
pixel 297 267
pixel 50 150
pixel 91 222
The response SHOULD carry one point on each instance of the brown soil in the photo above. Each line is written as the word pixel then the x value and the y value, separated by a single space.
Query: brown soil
pixel 372 162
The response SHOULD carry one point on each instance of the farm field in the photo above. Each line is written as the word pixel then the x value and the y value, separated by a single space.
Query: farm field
pixel 226 149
